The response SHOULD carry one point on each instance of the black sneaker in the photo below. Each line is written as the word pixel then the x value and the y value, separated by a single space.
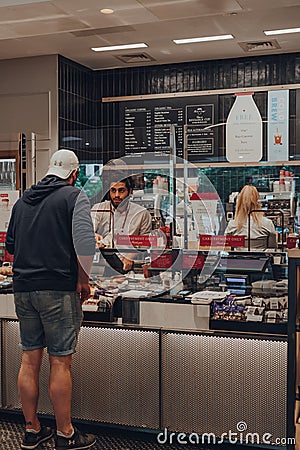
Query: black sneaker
pixel 78 441
pixel 33 440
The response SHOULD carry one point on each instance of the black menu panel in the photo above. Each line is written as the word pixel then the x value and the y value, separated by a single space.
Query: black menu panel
pixel 146 125
pixel 137 129
pixel 200 138
pixel 163 117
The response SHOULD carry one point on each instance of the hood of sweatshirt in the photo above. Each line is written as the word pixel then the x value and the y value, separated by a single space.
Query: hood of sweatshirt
pixel 42 189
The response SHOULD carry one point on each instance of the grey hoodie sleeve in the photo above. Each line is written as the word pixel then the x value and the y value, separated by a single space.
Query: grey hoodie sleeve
pixel 82 227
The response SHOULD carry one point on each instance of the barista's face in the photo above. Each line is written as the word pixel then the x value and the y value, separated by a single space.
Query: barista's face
pixel 118 192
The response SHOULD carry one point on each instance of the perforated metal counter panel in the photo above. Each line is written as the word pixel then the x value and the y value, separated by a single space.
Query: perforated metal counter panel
pixel 209 383
pixel 214 383
pixel 115 373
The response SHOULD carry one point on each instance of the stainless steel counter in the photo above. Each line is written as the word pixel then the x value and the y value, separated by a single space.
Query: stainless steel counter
pixel 194 382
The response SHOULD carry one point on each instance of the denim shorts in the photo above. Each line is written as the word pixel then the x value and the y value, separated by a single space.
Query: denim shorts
pixel 49 319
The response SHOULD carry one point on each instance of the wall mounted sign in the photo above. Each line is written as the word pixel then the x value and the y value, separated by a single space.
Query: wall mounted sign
pixel 200 139
pixel 147 124
pixel 278 125
pixel 244 130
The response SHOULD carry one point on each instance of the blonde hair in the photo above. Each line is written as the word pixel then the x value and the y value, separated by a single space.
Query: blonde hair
pixel 246 202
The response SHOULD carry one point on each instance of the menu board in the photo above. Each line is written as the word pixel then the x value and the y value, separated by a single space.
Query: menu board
pixel 147 123
pixel 200 138
pixel 163 118
pixel 137 130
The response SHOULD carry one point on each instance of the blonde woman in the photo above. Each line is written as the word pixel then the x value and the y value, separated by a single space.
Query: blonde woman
pixel 262 231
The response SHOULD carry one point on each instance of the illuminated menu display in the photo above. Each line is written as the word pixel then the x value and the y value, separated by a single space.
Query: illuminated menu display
pixel 163 118
pixel 200 131
pixel 137 130
pixel 147 126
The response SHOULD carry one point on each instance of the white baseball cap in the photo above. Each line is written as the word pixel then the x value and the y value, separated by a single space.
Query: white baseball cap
pixel 62 163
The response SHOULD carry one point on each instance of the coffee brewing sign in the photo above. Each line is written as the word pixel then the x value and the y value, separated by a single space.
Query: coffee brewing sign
pixel 278 125
pixel 244 141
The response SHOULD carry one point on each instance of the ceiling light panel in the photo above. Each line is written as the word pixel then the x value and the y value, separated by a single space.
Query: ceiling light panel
pixel 19 2
pixel 119 47
pixel 282 31
pixel 203 39
pixel 107 11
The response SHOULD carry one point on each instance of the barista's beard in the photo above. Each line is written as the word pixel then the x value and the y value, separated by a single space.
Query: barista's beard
pixel 123 205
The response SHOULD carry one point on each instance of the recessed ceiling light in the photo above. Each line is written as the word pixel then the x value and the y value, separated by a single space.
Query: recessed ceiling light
pixel 203 39
pixel 284 31
pixel 118 47
pixel 107 11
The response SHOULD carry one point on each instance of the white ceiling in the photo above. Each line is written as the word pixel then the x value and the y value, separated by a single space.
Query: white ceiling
pixel 71 27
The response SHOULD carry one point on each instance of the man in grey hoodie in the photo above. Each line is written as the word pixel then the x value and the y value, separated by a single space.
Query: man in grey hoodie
pixel 51 237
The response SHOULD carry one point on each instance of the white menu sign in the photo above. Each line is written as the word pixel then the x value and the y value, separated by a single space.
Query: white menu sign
pixel 244 130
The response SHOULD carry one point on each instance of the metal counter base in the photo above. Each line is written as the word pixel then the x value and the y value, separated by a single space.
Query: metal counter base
pixel 155 379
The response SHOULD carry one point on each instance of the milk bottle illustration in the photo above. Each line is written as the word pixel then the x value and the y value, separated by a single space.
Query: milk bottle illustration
pixel 244 130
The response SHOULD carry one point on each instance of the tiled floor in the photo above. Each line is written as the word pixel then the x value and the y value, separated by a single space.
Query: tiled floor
pixel 11 434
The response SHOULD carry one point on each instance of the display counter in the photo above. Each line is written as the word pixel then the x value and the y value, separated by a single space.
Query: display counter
pixel 200 382
pixel 164 362
pixel 244 291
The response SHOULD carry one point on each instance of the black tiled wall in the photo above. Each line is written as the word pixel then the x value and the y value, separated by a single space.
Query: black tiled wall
pixel 197 76
pixel 78 115
pixel 82 114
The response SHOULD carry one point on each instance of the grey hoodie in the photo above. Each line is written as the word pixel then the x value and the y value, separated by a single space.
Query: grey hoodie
pixel 50 225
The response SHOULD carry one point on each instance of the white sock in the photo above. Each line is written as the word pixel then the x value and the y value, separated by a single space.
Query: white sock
pixel 31 430
pixel 60 433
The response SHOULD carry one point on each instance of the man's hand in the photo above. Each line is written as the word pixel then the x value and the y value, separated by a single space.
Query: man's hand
pixel 84 291
pixel 127 263
pixel 99 239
